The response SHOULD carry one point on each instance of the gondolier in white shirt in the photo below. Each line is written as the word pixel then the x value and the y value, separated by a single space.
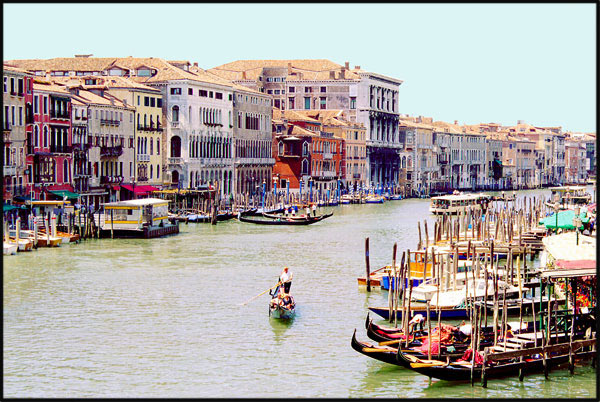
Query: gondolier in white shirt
pixel 286 278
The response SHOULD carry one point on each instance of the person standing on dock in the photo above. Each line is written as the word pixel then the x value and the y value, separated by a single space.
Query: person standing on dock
pixel 286 279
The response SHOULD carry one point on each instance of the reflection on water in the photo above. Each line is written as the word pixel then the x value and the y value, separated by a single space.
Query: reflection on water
pixel 163 317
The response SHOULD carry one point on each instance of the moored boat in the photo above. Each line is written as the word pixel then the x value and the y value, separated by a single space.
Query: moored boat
pixel 9 248
pixel 283 220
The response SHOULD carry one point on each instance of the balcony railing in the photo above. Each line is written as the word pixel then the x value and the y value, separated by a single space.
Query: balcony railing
pixel 143 158
pixel 142 178
pixel 61 149
pixel 109 122
pixel 59 115
pixel 149 128
pixel 10 170
pixel 111 151
pixel 327 155
pixel 110 179
pixel 176 160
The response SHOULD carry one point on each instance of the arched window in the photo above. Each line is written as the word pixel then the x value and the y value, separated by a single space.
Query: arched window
pixel 36 137
pixel 175 147
pixel 157 172
pixel 45 137
pixel 175 176
pixel 305 149
pixel 157 146
pixel 151 172
pixel 175 118
pixel 65 171
pixel 305 166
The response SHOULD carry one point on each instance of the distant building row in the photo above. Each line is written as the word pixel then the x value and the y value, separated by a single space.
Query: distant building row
pixel 113 128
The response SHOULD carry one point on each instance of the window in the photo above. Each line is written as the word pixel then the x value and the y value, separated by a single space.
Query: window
pixel 291 101
pixel 305 167
pixel 353 102
pixel 175 91
pixel 138 102
pixel 175 117
pixel 45 105
pixel 146 101
pixel 190 92
pixel 307 90
pixel 280 147
pixel 202 93
pixel 35 104
pixel 230 97
pixel 45 138
pixel 307 103
pixel 323 89
pixel 210 94
pixel 152 102
pixel 65 171
pixel 291 90
pixel 157 146
pixel 20 86
pixel 277 92
pixel 218 95
pixel 157 172
pixel 323 102
pixel 144 72
pixel 158 102
pixel 269 91
pixel 305 149
pixel 151 171
pixel 5 84
pixel 20 115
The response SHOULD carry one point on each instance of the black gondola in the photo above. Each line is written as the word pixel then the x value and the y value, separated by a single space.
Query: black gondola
pixel 283 221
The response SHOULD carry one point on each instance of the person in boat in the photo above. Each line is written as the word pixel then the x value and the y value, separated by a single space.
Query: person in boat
pixel 314 209
pixel 416 323
pixel 286 279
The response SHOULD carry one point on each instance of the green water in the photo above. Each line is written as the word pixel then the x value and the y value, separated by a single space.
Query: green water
pixel 162 317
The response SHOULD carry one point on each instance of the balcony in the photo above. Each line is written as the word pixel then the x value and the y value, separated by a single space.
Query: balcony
pixel 59 115
pixel 327 155
pixel 143 158
pixel 110 179
pixel 61 149
pixel 175 160
pixel 149 128
pixel 108 122
pixel 111 151
pixel 141 178
pixel 10 170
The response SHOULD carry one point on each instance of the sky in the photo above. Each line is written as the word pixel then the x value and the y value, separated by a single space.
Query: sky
pixel 473 63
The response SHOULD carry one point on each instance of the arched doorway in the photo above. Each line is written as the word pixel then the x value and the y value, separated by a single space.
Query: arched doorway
pixel 175 147
pixel 175 177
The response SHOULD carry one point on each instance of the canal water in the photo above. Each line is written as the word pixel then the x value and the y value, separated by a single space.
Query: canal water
pixel 163 317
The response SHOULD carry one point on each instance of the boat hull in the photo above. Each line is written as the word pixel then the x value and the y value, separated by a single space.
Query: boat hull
pixel 446 313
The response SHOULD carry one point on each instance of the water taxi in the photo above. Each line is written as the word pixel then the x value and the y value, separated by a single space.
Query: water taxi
pixel 146 217
pixel 458 203
pixel 569 196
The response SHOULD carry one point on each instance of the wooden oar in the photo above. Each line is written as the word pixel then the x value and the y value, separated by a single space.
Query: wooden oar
pixel 260 294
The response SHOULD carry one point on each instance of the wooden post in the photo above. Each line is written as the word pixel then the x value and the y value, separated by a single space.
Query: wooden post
pixel 426 234
pixel 483 373
pixel 367 262
pixel 420 241
pixel 428 332
pixel 391 289
pixel 112 235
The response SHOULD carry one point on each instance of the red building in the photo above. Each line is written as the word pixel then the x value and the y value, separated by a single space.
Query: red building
pixel 49 150
pixel 305 156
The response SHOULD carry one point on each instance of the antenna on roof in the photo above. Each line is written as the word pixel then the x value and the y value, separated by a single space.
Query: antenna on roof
pixel 84 55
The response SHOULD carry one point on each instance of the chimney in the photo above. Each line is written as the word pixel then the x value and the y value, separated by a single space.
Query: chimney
pixel 243 75
pixel 195 64
pixel 289 66
pixel 357 67
pixel 347 65
pixel 456 122
pixel 332 75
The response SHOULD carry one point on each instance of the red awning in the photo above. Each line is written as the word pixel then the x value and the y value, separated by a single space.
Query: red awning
pixel 139 189
pixel 575 264
pixel 116 187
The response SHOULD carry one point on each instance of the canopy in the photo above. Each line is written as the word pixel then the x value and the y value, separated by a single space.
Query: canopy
pixel 65 193
pixel 8 207
pixel 139 189
pixel 565 220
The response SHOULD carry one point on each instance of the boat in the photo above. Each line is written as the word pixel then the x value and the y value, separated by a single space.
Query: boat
pixel 221 216
pixel 43 239
pixel 10 248
pixel 284 221
pixel 476 290
pixel 65 237
pixel 24 244
pixel 375 199
pixel 259 211
pixel 445 312
pixel 145 217
pixel 463 369
pixel 569 197
pixel 395 197
pixel 283 308
pixel 459 203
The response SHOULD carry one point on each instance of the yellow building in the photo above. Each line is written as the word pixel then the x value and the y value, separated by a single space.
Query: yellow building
pixel 148 125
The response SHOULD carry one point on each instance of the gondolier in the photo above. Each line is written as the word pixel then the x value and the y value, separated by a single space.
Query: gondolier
pixel 286 278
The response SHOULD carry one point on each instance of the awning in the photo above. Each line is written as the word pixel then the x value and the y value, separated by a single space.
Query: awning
pixel 23 198
pixel 9 207
pixel 564 221
pixel 139 189
pixel 575 264
pixel 65 193
pixel 115 187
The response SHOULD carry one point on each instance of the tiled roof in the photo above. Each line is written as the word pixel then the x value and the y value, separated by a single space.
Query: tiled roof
pixel 311 69
pixel 65 63
pixel 7 67
pixel 296 130
pixel 90 97
pixel 38 85
pixel 292 115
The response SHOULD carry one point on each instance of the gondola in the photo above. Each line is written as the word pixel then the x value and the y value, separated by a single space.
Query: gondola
pixel 279 216
pixel 221 216
pixel 259 212
pixel 388 354
pixel 277 309
pixel 284 221
pixel 460 370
